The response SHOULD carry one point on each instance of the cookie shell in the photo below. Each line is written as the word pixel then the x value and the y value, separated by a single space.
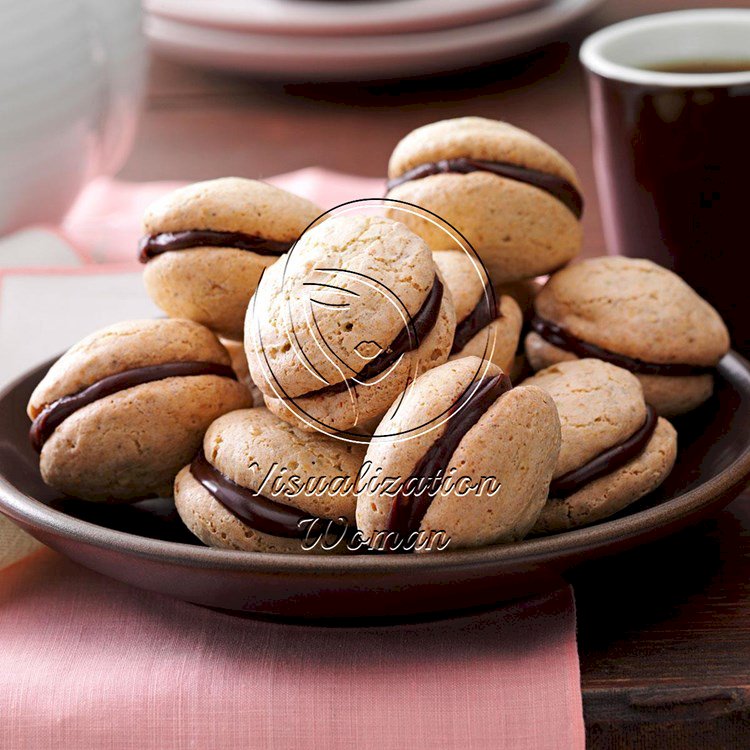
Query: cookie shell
pixel 477 138
pixel 497 342
pixel 125 346
pixel 466 279
pixel 249 445
pixel 232 204
pixel 131 444
pixel 516 441
pixel 518 230
pixel 600 406
pixel 354 410
pixel 213 285
pixel 209 285
pixel 370 259
pixel 636 308
pixel 670 395
pixel 610 494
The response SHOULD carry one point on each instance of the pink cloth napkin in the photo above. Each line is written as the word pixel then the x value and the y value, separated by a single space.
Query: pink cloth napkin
pixel 105 223
pixel 90 663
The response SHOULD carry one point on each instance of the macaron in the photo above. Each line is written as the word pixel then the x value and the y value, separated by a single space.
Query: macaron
pixel 337 330
pixel 473 466
pixel 515 199
pixel 487 326
pixel 262 485
pixel 615 449
pixel 207 244
pixel 120 413
pixel 636 315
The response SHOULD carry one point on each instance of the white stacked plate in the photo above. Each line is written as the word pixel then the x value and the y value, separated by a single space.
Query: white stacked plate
pixel 340 39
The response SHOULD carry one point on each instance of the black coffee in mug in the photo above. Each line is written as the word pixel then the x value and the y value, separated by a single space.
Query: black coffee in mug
pixel 672 149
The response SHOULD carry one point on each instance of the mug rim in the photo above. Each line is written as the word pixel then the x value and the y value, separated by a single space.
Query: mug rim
pixel 594 60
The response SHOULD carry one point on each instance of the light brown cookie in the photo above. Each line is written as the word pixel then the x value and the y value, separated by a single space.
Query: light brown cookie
pixel 608 495
pixel 486 326
pixel 261 483
pixel 335 333
pixel 117 415
pixel 636 315
pixel 488 466
pixel 207 244
pixel 514 198
pixel 614 450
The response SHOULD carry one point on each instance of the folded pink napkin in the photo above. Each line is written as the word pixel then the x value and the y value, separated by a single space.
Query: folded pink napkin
pixel 91 663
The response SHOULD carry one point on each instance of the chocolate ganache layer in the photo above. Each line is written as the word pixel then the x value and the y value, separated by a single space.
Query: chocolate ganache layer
pixel 562 339
pixel 155 244
pixel 556 186
pixel 484 312
pixel 408 509
pixel 55 413
pixel 606 462
pixel 252 508
pixel 410 337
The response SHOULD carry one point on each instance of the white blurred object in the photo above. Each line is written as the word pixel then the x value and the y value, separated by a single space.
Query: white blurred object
pixel 71 77
pixel 352 57
pixel 326 17
pixel 37 247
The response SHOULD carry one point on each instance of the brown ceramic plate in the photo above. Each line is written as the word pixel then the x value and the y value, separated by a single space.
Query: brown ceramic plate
pixel 145 544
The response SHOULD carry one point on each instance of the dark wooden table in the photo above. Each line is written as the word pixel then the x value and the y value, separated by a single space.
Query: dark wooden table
pixel 664 632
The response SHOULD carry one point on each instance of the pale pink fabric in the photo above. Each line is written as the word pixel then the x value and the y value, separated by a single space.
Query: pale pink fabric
pixel 105 223
pixel 87 662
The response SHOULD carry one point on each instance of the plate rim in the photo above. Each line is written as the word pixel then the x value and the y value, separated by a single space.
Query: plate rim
pixel 300 19
pixel 370 54
pixel 30 512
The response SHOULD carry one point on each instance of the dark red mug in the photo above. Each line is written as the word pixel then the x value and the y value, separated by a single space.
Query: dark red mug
pixel 670 113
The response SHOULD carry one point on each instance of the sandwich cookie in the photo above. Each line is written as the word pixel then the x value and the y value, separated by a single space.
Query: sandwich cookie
pixel 260 484
pixel 638 316
pixel 121 412
pixel 207 244
pixel 338 329
pixel 487 326
pixel 615 449
pixel 479 477
pixel 514 198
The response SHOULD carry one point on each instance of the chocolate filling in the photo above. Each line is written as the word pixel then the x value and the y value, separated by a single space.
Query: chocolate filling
pixel 562 339
pixel 408 510
pixel 55 413
pixel 409 338
pixel 156 244
pixel 484 312
pixel 556 186
pixel 607 461
pixel 267 516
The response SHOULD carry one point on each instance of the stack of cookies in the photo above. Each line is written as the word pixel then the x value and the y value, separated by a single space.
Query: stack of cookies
pixel 335 382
